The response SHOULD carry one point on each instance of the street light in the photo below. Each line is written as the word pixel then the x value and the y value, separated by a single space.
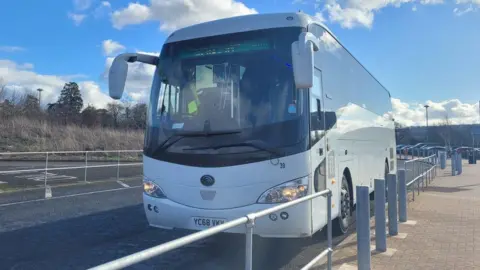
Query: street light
pixel 426 117
pixel 39 96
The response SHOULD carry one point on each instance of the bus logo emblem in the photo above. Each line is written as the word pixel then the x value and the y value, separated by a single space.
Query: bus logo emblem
pixel 207 180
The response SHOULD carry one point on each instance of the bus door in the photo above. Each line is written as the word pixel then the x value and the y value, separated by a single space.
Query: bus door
pixel 318 151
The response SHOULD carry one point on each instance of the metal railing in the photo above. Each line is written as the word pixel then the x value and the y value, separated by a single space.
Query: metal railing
pixel 248 221
pixel 423 171
pixel 97 156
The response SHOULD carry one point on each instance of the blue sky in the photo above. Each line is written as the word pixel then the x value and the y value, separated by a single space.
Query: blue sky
pixel 423 51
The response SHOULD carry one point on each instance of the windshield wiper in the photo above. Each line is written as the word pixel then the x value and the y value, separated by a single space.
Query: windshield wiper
pixel 255 144
pixel 180 135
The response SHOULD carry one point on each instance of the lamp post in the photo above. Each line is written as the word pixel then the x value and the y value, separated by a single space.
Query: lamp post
pixel 426 118
pixel 39 96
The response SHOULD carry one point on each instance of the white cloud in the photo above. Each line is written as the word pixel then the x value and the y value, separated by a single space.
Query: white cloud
pixel 82 4
pixel 412 114
pixel 320 17
pixel 431 2
pixel 349 17
pixel 476 2
pixel 11 49
pixel 461 12
pixel 135 13
pixel 111 47
pixel 174 14
pixel 328 43
pixel 103 9
pixel 76 18
pixel 414 8
pixel 361 13
pixel 22 78
pixel 93 95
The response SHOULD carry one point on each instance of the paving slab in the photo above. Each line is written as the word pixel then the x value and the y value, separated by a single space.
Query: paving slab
pixel 443 229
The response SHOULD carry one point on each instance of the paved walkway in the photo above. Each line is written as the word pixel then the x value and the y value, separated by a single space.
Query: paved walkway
pixel 443 231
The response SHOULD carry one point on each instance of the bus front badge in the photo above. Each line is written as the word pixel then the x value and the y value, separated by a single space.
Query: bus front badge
pixel 207 180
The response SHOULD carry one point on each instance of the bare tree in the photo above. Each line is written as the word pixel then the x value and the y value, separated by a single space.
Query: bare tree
pixel 445 130
pixel 3 89
pixel 115 109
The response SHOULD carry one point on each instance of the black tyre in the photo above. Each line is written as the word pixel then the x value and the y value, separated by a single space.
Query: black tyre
pixel 343 221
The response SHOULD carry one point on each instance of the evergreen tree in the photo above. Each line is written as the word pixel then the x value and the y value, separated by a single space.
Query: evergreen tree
pixel 71 98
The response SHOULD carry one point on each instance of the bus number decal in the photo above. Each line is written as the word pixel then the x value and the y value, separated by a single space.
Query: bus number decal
pixel 282 165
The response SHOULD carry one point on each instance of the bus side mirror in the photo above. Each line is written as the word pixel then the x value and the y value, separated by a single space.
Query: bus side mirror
pixel 302 59
pixel 117 76
pixel 118 71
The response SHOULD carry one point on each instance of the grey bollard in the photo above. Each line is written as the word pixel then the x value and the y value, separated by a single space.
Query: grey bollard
pixel 443 160
pixel 380 218
pixel 363 228
pixel 392 204
pixel 459 163
pixel 454 158
pixel 402 196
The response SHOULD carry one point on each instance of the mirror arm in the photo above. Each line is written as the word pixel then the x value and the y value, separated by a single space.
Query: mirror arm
pixel 139 57
pixel 307 37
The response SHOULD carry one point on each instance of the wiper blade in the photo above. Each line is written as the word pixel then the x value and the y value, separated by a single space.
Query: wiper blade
pixel 206 133
pixel 254 144
pixel 169 142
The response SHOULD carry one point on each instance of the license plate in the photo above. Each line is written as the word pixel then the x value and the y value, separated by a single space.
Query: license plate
pixel 207 222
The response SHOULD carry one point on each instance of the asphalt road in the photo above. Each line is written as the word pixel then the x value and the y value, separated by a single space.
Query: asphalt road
pixel 16 174
pixel 79 231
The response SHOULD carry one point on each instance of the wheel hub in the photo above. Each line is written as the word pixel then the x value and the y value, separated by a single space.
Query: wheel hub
pixel 345 203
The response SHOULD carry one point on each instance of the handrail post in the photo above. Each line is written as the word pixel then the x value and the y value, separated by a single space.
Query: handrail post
pixel 249 242
pixel 363 228
pixel 380 219
pixel 86 165
pixel 329 229
pixel 392 204
pixel 423 176
pixel 413 184
pixel 402 196
pixel 118 165
pixel 427 171
pixel 418 179
pixel 46 169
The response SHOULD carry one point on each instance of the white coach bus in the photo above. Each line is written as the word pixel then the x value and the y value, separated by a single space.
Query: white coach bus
pixel 252 111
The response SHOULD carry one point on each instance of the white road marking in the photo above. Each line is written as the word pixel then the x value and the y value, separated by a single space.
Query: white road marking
pixel 35 175
pixel 10 173
pixel 39 177
pixel 68 196
pixel 53 178
pixel 123 184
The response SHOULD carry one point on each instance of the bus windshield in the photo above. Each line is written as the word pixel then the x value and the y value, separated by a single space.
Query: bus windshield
pixel 237 82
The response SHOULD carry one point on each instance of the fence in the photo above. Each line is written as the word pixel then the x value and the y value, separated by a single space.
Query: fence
pixel 80 160
pixel 422 170
pixel 248 221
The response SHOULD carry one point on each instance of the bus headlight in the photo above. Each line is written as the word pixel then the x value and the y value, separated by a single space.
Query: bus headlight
pixel 286 192
pixel 152 189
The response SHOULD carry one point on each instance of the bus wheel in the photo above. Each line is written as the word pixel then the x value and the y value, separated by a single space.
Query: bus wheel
pixel 342 222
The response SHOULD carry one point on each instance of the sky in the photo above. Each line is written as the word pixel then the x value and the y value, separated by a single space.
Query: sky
pixel 422 51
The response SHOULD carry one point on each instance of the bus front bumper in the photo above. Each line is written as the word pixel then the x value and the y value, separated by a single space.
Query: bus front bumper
pixel 293 222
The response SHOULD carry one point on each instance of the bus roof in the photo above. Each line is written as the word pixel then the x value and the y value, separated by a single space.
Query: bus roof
pixel 243 24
